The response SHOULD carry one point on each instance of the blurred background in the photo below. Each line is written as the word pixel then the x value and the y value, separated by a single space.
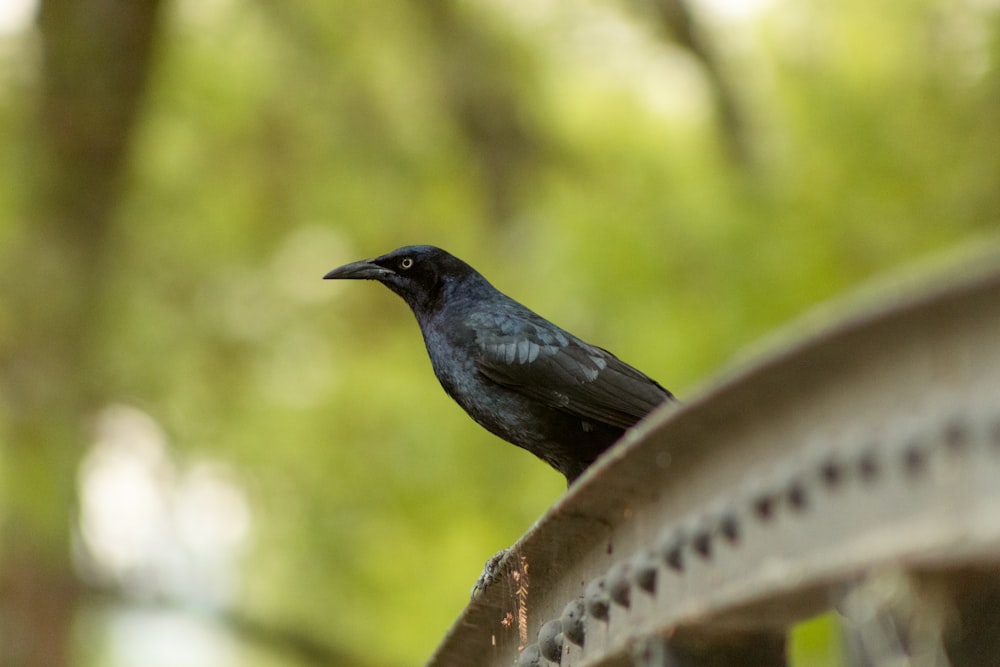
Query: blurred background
pixel 209 456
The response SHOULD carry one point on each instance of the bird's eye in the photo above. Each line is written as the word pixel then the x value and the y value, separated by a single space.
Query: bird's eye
pixel 406 262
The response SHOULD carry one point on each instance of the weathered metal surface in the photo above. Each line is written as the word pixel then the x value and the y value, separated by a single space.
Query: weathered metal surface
pixel 711 529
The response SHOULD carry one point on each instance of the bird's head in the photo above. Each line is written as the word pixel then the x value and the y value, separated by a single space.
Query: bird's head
pixel 417 273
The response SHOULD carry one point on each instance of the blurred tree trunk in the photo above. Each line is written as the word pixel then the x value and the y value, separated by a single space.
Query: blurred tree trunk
pixel 95 62
pixel 485 83
pixel 681 26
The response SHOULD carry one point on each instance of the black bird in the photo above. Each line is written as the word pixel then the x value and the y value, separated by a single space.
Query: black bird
pixel 518 375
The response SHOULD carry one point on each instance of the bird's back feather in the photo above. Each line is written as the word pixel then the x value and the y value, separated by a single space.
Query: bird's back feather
pixel 524 353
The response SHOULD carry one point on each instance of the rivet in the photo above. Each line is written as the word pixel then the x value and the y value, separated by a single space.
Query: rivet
pixel 572 622
pixel 550 640
pixel 598 600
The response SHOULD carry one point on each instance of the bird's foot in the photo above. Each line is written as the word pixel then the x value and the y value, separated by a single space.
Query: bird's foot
pixel 491 571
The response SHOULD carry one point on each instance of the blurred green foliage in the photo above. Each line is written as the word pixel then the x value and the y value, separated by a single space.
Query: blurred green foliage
pixel 567 150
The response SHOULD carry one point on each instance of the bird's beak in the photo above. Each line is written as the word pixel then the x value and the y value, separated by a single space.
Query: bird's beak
pixel 366 269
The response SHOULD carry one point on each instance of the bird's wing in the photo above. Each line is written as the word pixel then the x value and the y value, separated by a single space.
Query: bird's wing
pixel 545 363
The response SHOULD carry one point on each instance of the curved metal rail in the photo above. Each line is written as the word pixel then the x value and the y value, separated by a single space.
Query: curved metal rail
pixel 858 470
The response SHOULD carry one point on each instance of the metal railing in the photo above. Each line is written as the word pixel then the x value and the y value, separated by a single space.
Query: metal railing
pixel 857 470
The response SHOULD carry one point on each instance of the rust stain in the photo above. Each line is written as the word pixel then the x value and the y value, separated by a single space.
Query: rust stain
pixel 521 594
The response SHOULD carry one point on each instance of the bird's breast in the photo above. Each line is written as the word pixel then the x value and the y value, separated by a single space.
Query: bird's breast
pixel 452 358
